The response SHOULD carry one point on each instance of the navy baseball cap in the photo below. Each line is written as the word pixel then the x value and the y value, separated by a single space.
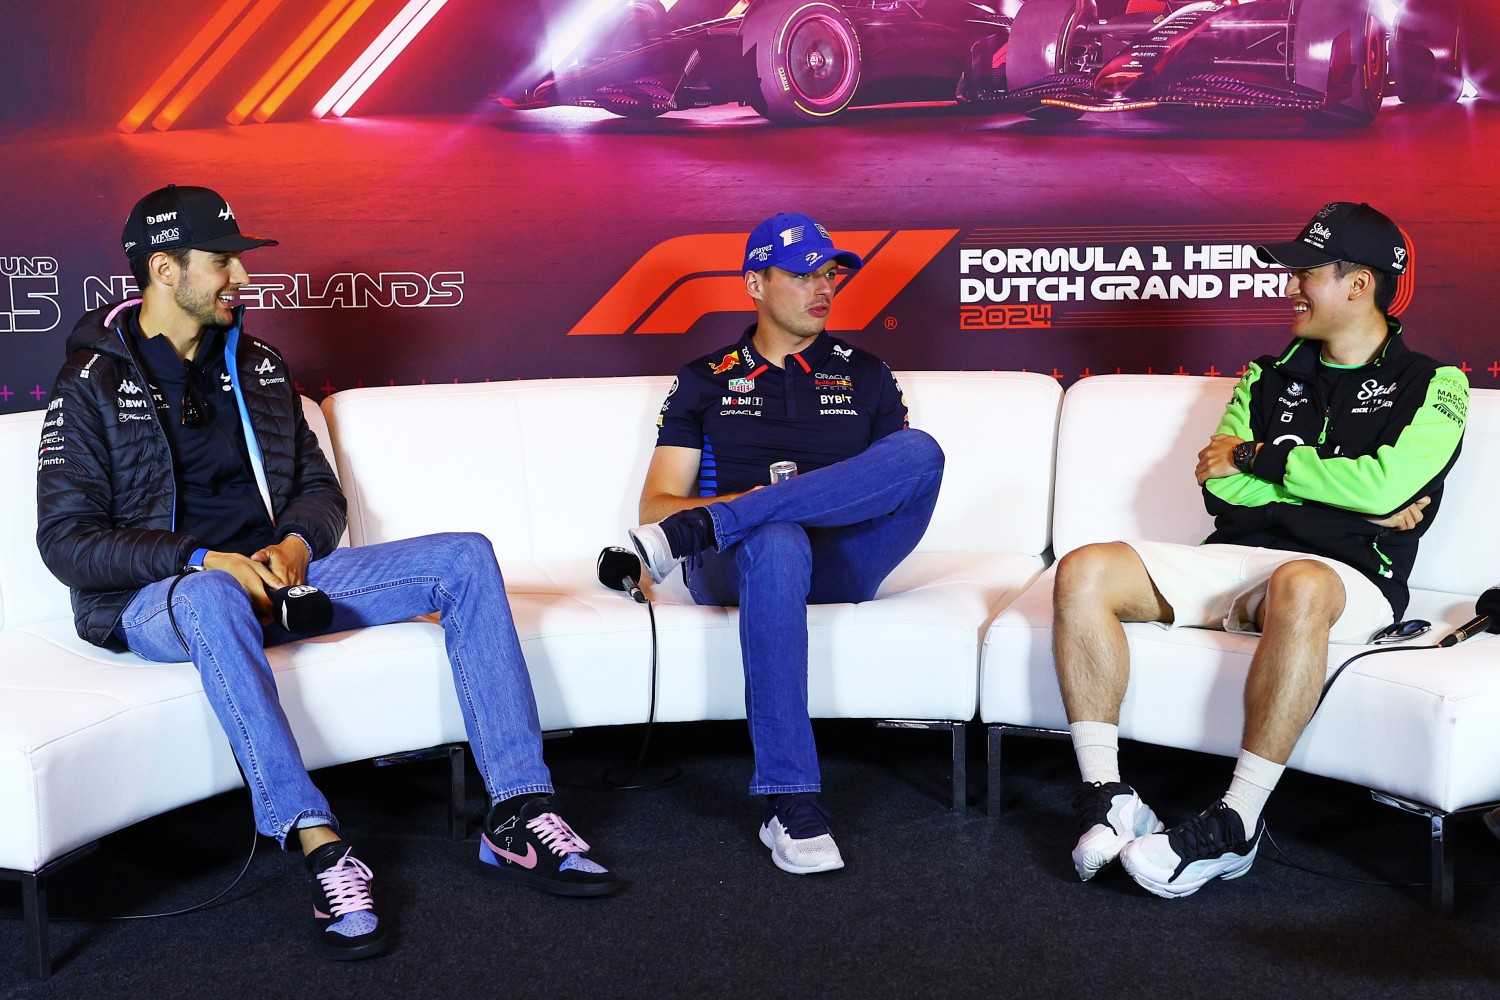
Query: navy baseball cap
pixel 1343 231
pixel 173 217
pixel 794 242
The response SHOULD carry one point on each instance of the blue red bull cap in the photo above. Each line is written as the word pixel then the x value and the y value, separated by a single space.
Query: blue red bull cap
pixel 795 243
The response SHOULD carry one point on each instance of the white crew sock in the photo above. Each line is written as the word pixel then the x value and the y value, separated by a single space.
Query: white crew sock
pixel 1097 745
pixel 1254 778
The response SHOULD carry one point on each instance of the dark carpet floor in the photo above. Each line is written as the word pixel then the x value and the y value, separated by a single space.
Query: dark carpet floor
pixel 932 902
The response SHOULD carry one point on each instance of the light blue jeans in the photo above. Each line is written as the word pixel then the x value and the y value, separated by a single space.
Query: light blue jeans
pixel 453 574
pixel 825 537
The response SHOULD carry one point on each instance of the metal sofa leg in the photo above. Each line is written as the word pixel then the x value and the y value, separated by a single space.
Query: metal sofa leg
pixel 34 907
pixel 458 817
pixel 960 801
pixel 1442 866
pixel 34 913
pixel 994 805
pixel 1441 848
pixel 994 799
pixel 958 731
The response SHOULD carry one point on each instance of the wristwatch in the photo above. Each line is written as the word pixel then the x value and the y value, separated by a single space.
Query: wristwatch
pixel 1243 456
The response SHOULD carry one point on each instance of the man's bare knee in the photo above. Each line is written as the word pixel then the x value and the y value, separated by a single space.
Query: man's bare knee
pixel 1304 590
pixel 1108 576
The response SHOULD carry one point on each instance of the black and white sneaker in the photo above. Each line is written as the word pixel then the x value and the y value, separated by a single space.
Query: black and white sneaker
pixel 1109 816
pixel 1182 860
pixel 535 847
pixel 796 831
pixel 343 908
pixel 669 541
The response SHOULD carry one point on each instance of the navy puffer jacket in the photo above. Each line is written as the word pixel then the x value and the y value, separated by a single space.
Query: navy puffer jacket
pixel 106 495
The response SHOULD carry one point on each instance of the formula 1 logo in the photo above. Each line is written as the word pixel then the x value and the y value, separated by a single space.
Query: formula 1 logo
pixel 681 280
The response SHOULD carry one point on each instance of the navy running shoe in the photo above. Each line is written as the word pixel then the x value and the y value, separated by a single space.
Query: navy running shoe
pixel 669 541
pixel 796 831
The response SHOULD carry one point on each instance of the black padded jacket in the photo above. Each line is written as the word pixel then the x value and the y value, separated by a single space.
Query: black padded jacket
pixel 106 493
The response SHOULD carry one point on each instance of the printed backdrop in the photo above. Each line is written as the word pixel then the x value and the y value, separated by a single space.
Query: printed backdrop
pixel 431 234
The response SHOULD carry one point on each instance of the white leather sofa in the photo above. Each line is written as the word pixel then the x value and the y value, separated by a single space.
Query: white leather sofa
pixel 1420 727
pixel 92 741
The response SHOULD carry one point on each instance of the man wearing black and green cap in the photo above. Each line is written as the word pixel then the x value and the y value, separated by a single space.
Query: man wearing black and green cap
pixel 1322 476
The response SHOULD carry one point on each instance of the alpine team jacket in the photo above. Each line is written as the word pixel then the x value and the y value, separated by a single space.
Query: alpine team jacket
pixel 106 494
pixel 828 402
pixel 1326 466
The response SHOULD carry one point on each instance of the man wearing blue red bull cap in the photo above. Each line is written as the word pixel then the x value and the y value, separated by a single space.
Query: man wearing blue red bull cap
pixel 786 392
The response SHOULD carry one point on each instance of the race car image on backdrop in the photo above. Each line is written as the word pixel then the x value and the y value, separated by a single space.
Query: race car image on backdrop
pixel 807 61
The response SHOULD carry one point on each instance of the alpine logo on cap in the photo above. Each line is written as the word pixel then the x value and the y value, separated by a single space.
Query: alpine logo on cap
pixel 227 213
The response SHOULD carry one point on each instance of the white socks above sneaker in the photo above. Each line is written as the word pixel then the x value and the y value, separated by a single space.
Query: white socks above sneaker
pixel 1254 778
pixel 1097 745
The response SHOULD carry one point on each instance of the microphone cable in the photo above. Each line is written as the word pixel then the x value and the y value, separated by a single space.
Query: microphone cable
pixel 254 833
pixel 629 783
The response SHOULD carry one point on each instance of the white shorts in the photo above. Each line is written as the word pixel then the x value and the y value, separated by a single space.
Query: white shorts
pixel 1222 586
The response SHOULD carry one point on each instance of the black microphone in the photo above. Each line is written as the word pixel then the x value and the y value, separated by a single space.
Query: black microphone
pixel 620 569
pixel 302 610
pixel 1486 619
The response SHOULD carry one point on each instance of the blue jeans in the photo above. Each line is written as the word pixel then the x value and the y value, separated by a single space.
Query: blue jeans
pixel 826 537
pixel 453 574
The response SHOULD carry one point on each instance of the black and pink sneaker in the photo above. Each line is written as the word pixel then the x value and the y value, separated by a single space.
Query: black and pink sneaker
pixel 535 847
pixel 343 907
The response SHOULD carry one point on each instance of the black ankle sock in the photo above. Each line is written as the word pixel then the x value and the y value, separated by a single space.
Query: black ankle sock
pixel 690 532
pixel 506 808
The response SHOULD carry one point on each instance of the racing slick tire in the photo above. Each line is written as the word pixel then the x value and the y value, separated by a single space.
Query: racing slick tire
pixel 806 56
pixel 1428 53
pixel 1342 48
pixel 1040 39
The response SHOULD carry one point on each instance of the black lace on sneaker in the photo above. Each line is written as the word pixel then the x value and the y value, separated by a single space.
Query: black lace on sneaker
pixel 1092 802
pixel 1211 834
pixel 689 532
pixel 802 815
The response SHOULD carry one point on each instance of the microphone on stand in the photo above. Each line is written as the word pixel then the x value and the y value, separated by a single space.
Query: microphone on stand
pixel 620 569
pixel 1486 619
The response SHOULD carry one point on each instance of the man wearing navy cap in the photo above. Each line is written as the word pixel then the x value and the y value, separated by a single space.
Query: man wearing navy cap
pixel 865 490
pixel 179 482
pixel 1323 474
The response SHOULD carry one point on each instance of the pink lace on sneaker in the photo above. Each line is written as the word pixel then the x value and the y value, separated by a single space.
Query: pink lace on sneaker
pixel 556 835
pixel 346 883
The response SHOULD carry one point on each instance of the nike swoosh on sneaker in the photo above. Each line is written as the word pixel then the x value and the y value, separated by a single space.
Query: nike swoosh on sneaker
pixel 528 860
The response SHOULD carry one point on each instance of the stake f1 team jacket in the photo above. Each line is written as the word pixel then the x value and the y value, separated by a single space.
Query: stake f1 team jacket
pixel 1387 438
pixel 106 493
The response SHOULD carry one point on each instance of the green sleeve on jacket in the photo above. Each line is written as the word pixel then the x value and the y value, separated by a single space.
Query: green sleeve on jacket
pixel 1241 489
pixel 1389 479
